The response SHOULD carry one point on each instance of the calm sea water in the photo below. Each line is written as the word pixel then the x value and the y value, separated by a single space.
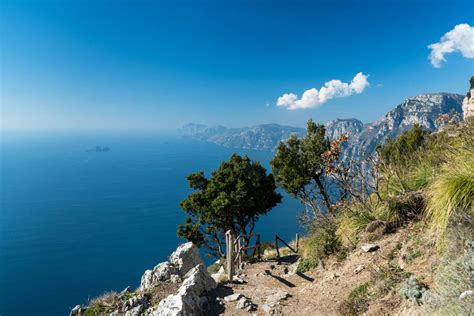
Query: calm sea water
pixel 74 224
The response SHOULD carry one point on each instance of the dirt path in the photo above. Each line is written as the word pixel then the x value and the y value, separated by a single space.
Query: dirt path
pixel 318 292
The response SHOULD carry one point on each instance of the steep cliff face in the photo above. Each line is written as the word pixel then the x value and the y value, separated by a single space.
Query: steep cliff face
pixel 423 109
pixel 468 102
pixel 339 127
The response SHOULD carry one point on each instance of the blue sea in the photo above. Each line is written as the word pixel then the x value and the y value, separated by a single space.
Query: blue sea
pixel 75 224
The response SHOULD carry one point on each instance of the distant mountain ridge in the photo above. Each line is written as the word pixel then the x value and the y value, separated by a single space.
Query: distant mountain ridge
pixel 423 109
pixel 259 137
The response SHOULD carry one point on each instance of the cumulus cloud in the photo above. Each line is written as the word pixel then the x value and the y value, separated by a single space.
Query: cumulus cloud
pixel 332 89
pixel 459 39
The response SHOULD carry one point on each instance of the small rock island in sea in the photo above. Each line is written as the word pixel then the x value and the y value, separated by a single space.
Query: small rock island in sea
pixel 99 149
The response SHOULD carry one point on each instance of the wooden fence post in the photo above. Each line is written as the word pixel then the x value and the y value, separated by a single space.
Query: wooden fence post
pixel 297 242
pixel 276 247
pixel 229 238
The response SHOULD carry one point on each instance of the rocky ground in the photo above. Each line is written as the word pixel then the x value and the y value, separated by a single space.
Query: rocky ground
pixel 275 288
pixel 182 286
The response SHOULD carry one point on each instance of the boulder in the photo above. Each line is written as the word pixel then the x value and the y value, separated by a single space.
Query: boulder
pixel 185 258
pixel 370 247
pixel 162 272
pixel 188 300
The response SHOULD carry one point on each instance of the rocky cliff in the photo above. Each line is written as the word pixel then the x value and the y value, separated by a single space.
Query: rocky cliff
pixel 174 287
pixel 423 109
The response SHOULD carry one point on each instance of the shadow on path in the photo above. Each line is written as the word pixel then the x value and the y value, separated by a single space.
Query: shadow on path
pixel 286 282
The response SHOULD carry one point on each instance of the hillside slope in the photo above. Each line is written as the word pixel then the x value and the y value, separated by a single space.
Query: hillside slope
pixel 423 109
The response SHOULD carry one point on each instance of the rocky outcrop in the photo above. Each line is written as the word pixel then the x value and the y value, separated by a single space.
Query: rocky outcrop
pixel 468 102
pixel 183 259
pixel 189 299
pixel 184 263
pixel 340 127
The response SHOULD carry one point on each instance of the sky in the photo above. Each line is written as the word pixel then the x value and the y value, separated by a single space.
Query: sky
pixel 157 65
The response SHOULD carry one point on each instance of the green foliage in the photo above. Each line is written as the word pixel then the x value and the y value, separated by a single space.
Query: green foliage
pixel 306 265
pixel 238 192
pixel 451 192
pixel 299 167
pixel 351 222
pixel 400 150
pixel 321 242
pixel 94 310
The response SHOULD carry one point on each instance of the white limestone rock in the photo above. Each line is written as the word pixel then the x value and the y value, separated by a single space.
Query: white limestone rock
pixel 466 294
pixel 188 300
pixel 370 247
pixel 132 303
pixel 359 269
pixel 185 257
pixel 233 297
pixel 161 272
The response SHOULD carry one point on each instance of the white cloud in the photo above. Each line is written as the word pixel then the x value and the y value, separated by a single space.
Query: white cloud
pixel 460 39
pixel 332 89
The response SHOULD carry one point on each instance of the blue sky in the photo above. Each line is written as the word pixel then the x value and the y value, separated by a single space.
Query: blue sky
pixel 158 65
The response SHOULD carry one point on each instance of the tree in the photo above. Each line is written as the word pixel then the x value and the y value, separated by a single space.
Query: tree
pixel 238 192
pixel 300 168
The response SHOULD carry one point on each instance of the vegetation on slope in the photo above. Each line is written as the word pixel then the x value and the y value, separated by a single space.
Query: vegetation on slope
pixel 419 178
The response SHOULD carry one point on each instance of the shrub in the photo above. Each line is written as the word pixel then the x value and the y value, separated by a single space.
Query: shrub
pixel 351 222
pixel 451 192
pixel 401 149
pixel 321 242
pixel 404 207
pixel 305 265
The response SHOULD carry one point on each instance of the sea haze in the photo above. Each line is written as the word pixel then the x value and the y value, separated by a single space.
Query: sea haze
pixel 76 223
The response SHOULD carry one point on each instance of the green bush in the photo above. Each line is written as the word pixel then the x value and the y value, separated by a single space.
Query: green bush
pixel 351 222
pixel 321 242
pixel 399 150
pixel 305 265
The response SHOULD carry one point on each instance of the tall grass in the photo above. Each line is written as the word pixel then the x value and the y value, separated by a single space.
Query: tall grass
pixel 451 192
pixel 351 222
